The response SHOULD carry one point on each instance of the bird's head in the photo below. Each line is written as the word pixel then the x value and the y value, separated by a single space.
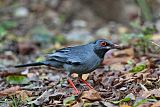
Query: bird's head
pixel 101 46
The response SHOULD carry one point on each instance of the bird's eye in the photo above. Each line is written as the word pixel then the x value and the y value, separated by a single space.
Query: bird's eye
pixel 103 43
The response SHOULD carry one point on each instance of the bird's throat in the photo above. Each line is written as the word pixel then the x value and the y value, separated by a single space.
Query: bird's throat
pixel 100 53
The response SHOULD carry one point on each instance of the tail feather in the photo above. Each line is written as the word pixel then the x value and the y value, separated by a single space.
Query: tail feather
pixel 30 64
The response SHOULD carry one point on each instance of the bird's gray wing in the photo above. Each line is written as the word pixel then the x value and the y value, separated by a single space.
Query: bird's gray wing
pixel 65 56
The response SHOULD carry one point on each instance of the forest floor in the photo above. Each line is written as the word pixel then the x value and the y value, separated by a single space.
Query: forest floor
pixel 128 78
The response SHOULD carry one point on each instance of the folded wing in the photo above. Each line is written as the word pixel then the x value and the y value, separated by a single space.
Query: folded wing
pixel 65 56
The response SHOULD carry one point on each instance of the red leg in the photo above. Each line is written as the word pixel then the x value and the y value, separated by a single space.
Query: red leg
pixel 72 84
pixel 86 83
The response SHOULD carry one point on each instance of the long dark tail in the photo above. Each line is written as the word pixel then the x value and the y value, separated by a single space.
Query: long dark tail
pixel 30 64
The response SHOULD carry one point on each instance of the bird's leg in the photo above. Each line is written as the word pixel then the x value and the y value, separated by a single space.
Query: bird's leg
pixel 85 82
pixel 72 84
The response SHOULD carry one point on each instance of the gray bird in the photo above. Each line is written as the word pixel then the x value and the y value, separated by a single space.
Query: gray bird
pixel 78 59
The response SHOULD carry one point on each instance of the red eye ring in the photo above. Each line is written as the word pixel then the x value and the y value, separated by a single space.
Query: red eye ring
pixel 103 43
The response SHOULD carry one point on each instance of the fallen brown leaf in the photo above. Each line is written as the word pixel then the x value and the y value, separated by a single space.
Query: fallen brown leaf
pixel 10 90
pixel 124 52
pixel 23 95
pixel 26 48
pixel 7 72
pixel 156 104
pixel 155 37
pixel 43 98
pixel 85 76
pixel 78 104
pixel 155 92
pixel 117 67
pixel 91 95
pixel 109 61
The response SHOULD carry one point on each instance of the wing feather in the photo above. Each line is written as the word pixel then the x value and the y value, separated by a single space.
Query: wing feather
pixel 65 56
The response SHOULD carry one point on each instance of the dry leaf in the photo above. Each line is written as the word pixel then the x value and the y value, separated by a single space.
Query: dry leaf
pixel 92 95
pixel 74 75
pixel 157 104
pixel 24 95
pixel 124 52
pixel 125 105
pixel 85 76
pixel 10 90
pixel 109 61
pixel 107 104
pixel 117 67
pixel 43 98
pixel 155 92
pixel 155 37
pixel 78 104
pixel 26 48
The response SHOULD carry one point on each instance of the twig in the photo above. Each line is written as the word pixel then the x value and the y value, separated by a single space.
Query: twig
pixel 155 43
pixel 143 87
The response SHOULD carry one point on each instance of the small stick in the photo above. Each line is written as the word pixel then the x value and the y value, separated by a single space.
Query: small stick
pixel 155 43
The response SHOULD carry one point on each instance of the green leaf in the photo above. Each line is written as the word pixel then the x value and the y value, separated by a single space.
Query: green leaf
pixel 142 101
pixel 39 59
pixel 69 100
pixel 136 104
pixel 59 38
pixel 9 24
pixel 139 68
pixel 86 104
pixel 131 96
pixel 130 62
pixel 122 100
pixel 3 32
pixel 136 24
pixel 126 99
pixel 116 102
pixel 17 79
pixel 152 100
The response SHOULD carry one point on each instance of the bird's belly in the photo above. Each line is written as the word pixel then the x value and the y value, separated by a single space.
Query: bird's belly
pixel 83 68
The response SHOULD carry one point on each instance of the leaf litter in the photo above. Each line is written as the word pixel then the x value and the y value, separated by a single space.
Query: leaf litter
pixel 121 81
pixel 128 78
